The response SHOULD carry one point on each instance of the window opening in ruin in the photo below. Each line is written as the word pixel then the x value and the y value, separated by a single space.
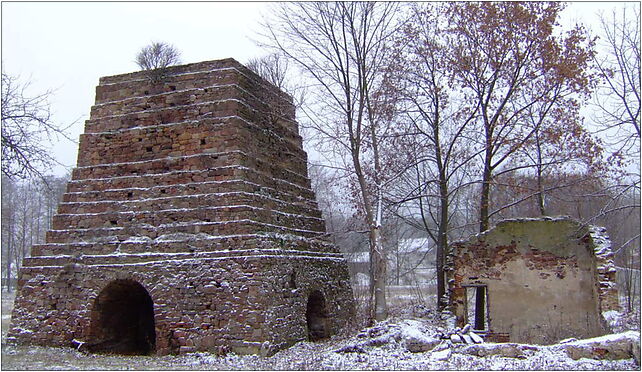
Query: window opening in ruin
pixel 316 317
pixel 292 281
pixel 476 306
pixel 122 320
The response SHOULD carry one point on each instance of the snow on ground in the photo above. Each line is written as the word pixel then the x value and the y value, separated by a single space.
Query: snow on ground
pixel 302 356
pixel 385 346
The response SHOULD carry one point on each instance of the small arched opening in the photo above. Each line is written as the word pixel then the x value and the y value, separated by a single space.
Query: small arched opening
pixel 123 320
pixel 317 317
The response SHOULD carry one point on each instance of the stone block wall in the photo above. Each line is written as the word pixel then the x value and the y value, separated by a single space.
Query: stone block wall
pixel 542 280
pixel 246 302
pixel 192 194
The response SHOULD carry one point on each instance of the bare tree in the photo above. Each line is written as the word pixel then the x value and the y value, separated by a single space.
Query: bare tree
pixel 27 211
pixel 341 48
pixel 507 60
pixel 559 145
pixel 272 67
pixel 27 128
pixel 276 69
pixel 617 118
pixel 156 57
pixel 431 150
pixel 479 91
pixel 618 97
pixel 8 231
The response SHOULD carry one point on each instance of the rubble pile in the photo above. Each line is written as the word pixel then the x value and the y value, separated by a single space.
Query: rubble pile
pixel 463 335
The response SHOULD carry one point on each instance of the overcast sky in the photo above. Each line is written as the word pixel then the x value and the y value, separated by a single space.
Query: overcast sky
pixel 67 47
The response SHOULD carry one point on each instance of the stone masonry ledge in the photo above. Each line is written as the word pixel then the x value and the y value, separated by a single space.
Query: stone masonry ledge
pixel 188 243
pixel 212 199
pixel 195 71
pixel 153 257
pixel 141 103
pixel 110 195
pixel 225 173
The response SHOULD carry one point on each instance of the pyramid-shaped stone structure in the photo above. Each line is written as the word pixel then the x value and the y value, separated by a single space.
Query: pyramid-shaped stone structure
pixel 189 225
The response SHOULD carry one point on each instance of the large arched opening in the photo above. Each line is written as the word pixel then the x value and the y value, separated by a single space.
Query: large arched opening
pixel 123 320
pixel 316 317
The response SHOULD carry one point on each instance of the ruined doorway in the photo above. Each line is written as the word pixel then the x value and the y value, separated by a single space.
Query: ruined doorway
pixel 476 306
pixel 123 320
pixel 316 317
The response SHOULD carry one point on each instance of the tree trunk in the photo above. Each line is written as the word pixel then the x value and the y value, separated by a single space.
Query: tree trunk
pixel 540 193
pixel 379 309
pixel 397 265
pixel 377 288
pixel 442 249
pixel 442 233
pixel 9 267
pixel 484 205
pixel 10 253
pixel 540 176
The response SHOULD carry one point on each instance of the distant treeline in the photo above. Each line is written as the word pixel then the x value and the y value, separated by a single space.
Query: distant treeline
pixel 27 210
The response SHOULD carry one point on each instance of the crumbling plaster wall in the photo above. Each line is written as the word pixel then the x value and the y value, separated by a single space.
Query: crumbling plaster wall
pixel 542 279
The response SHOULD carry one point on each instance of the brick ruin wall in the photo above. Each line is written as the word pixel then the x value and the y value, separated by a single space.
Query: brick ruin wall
pixel 545 280
pixel 193 191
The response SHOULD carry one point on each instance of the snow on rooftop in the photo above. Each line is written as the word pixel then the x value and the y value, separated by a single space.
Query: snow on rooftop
pixel 358 257
pixel 413 245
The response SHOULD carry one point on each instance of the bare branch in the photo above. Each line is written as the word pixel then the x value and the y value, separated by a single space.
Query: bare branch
pixel 27 128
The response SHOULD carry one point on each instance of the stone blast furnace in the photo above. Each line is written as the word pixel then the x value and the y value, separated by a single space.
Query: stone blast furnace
pixel 189 224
